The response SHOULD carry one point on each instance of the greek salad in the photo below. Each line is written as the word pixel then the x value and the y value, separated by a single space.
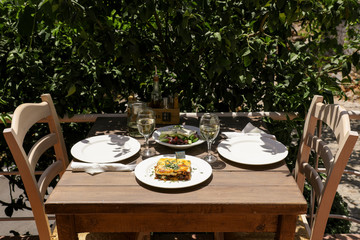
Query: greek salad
pixel 179 135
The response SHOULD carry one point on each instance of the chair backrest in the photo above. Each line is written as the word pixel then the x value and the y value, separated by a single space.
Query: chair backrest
pixel 337 119
pixel 24 117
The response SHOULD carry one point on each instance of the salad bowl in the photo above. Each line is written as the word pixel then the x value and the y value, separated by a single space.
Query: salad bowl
pixel 178 136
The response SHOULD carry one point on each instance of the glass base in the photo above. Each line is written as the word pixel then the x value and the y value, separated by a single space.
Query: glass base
pixel 147 153
pixel 210 158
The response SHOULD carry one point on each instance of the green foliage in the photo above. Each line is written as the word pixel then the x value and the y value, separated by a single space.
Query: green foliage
pixel 241 53
pixel 218 55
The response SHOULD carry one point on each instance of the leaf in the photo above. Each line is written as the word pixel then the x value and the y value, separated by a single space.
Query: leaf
pixel 247 52
pixel 355 58
pixel 186 37
pixel 282 17
pixel 247 60
pixel 71 90
pixel 293 57
pixel 26 22
pixel 217 35
pixel 2 101
pixel 327 66
pixel 19 203
pixel 249 78
pixel 346 68
pixel 54 7
pixel 242 78
pixel 9 210
pixel 42 3
pixel 3 119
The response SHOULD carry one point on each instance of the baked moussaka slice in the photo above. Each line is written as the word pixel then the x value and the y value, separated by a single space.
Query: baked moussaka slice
pixel 173 169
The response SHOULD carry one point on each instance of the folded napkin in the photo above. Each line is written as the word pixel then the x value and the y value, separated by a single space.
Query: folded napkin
pixel 249 130
pixel 93 168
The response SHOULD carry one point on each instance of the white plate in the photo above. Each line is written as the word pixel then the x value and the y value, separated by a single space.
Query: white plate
pixel 145 172
pixel 252 150
pixel 157 133
pixel 105 148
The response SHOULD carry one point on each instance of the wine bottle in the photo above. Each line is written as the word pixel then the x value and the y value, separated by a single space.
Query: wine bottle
pixel 156 94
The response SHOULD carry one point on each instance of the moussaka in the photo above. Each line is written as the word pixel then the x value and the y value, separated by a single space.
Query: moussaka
pixel 173 169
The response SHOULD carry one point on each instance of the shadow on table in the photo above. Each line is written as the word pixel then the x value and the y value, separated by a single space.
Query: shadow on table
pixel 253 167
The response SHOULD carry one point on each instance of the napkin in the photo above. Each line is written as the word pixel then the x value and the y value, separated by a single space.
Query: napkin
pixel 249 130
pixel 93 168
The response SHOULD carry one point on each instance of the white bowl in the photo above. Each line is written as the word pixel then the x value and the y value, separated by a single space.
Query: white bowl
pixel 157 133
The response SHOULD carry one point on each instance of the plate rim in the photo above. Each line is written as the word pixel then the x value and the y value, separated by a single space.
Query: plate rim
pixel 147 163
pixel 77 156
pixel 200 141
pixel 221 150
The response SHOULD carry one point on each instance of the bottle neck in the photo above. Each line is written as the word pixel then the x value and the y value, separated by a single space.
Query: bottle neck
pixel 155 95
pixel 156 85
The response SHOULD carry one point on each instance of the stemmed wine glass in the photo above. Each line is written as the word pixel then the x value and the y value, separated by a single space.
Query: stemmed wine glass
pixel 209 129
pixel 146 124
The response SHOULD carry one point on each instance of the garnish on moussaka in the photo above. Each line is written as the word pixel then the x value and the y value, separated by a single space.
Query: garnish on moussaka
pixel 173 169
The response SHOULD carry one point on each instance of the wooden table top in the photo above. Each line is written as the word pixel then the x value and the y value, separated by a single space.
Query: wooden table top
pixel 232 188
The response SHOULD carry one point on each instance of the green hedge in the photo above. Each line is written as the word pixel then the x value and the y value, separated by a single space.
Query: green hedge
pixel 219 55
pixel 248 55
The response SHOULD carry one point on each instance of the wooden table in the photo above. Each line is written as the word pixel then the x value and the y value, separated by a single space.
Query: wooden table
pixel 236 198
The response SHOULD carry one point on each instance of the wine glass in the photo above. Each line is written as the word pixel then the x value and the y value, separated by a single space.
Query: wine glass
pixel 209 129
pixel 146 124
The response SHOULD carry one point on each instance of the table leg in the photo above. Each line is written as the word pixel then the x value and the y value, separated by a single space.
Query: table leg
pixel 218 235
pixel 66 227
pixel 286 227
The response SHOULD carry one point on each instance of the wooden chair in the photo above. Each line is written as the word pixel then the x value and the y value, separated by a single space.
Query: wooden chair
pixel 323 190
pixel 25 116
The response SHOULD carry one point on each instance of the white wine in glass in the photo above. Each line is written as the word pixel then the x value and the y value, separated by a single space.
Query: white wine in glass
pixel 209 129
pixel 146 124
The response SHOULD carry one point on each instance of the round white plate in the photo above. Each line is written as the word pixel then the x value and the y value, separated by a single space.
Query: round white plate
pixel 252 150
pixel 200 171
pixel 105 148
pixel 157 133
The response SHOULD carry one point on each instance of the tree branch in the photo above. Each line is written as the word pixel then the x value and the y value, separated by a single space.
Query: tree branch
pixel 261 28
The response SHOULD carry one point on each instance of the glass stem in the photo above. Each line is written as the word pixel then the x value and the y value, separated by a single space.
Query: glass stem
pixel 209 142
pixel 146 143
